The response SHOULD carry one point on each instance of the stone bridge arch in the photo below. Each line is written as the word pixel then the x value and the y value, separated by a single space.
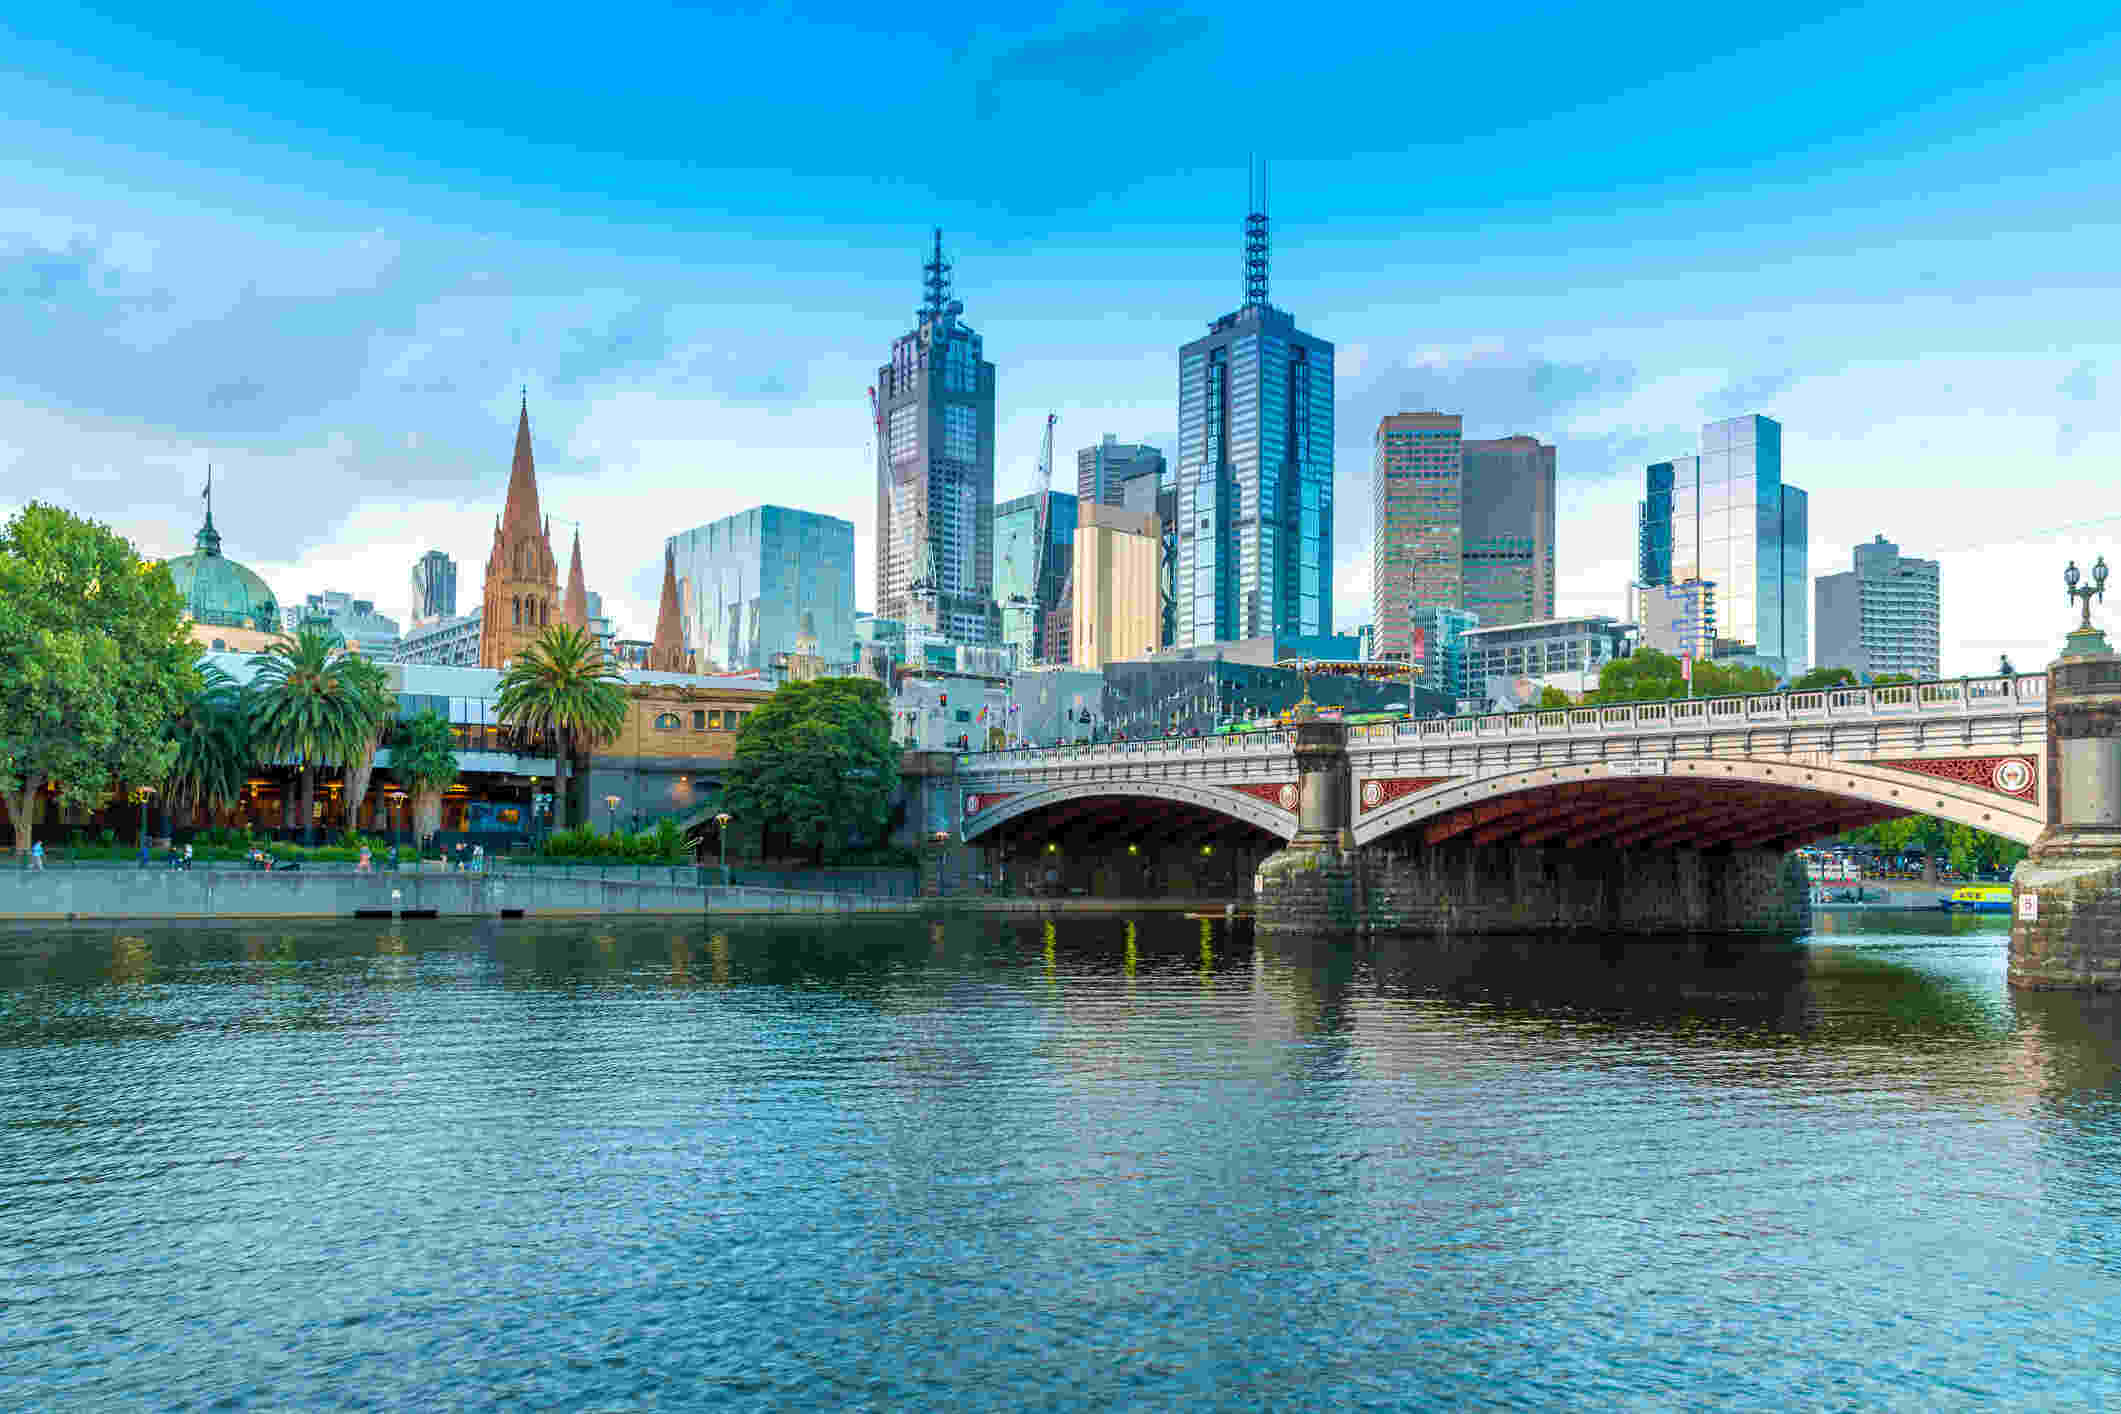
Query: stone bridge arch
pixel 1702 803
pixel 1013 803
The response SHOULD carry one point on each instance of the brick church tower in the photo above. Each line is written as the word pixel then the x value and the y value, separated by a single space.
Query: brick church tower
pixel 522 578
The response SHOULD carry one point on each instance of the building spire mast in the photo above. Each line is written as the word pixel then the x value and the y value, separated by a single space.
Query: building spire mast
pixel 1256 235
pixel 935 283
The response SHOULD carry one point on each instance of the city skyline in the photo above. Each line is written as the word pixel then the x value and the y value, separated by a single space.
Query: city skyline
pixel 280 289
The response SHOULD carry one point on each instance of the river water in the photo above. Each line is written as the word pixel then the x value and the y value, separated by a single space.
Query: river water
pixel 991 1165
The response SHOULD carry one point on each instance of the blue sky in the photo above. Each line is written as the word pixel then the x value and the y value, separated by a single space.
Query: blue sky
pixel 324 250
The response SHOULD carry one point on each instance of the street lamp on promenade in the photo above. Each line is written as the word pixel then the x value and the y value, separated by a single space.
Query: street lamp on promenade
pixel 146 793
pixel 721 838
pixel 611 803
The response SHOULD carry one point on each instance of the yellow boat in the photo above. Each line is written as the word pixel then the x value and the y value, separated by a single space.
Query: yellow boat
pixel 1978 898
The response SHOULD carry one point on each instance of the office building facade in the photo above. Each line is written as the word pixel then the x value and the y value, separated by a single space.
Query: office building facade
pixel 1881 616
pixel 1101 470
pixel 1115 609
pixel 745 583
pixel 1440 649
pixel 935 472
pixel 1152 493
pixel 365 631
pixel 1547 649
pixel 1255 471
pixel 1461 525
pixel 1027 585
pixel 1725 516
pixel 448 643
pixel 434 588
pixel 1676 619
pixel 1506 537
pixel 1417 512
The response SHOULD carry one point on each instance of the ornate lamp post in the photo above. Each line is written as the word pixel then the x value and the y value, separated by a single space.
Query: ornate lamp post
pixel 611 804
pixel 721 838
pixel 2084 638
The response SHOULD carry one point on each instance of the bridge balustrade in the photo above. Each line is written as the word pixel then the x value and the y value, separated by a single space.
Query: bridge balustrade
pixel 1959 695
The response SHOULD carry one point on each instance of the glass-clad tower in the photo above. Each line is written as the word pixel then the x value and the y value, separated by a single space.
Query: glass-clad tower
pixel 1728 518
pixel 1254 534
pixel 935 472
pixel 748 582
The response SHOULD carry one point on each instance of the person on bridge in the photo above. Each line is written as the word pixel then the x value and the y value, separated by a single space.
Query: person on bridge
pixel 36 855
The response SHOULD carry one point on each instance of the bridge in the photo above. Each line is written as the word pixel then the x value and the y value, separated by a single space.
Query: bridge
pixel 1775 770
pixel 1654 815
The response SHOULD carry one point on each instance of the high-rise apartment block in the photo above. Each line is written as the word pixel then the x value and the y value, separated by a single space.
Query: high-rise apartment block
pixel 1440 649
pixel 1101 471
pixel 1460 524
pixel 356 621
pixel 1115 600
pixel 1255 471
pixel 745 583
pixel 1027 584
pixel 1881 616
pixel 935 472
pixel 1726 517
pixel 434 588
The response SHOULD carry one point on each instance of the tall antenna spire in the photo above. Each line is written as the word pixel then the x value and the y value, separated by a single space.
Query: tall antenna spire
pixel 1256 235
pixel 935 283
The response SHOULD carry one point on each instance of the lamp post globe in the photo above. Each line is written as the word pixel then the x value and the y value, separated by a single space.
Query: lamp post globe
pixel 147 793
pixel 721 839
pixel 2070 577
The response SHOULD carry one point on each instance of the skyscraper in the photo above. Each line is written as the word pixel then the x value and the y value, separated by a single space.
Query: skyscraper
pixel 1026 586
pixel 434 588
pixel 1417 485
pixel 1115 608
pixel 1881 616
pixel 1726 516
pixel 1101 470
pixel 1255 471
pixel 745 583
pixel 935 472
pixel 1507 544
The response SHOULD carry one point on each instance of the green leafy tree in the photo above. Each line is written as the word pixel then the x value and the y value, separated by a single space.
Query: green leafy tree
pixel 1552 698
pixel 315 703
pixel 562 683
pixel 423 757
pixel 1645 676
pixel 1889 679
pixel 213 757
pixel 818 763
pixel 1820 678
pixel 95 662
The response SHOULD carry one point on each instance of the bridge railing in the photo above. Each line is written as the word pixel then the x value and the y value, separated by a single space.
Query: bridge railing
pixel 1943 697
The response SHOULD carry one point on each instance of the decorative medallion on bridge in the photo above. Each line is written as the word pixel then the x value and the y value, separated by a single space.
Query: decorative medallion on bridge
pixel 1281 795
pixel 2006 775
pixel 974 804
pixel 1378 792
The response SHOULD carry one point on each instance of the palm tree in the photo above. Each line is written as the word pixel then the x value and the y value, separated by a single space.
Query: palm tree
pixel 315 702
pixel 423 757
pixel 361 761
pixel 213 748
pixel 562 683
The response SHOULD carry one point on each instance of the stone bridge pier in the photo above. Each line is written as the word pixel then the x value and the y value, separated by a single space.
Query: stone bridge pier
pixel 2066 895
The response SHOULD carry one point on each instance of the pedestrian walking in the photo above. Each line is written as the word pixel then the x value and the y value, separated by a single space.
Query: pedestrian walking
pixel 187 859
pixel 367 864
pixel 393 858
pixel 36 856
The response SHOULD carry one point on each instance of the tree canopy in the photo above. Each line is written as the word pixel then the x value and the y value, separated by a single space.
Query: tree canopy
pixel 315 703
pixel 1653 676
pixel 1965 848
pixel 212 737
pixel 816 762
pixel 1821 678
pixel 423 754
pixel 95 662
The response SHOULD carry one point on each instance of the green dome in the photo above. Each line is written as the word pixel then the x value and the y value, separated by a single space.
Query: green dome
pixel 216 590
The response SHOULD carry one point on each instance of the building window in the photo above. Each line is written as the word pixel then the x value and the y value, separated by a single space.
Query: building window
pixel 666 722
pixel 714 720
pixel 699 721
pixel 731 721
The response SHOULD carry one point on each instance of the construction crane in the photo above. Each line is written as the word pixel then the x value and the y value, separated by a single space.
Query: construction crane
pixel 1041 511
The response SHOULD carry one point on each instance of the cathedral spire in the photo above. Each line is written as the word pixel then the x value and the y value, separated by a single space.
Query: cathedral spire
pixel 667 653
pixel 520 516
pixel 574 608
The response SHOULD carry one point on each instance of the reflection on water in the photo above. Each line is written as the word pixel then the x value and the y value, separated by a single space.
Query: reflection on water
pixel 1073 1163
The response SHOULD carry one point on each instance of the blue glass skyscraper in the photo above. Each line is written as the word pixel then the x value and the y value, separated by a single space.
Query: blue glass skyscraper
pixel 1726 517
pixel 1254 534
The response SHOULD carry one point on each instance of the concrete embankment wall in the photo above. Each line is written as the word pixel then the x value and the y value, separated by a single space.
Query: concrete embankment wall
pixel 201 893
